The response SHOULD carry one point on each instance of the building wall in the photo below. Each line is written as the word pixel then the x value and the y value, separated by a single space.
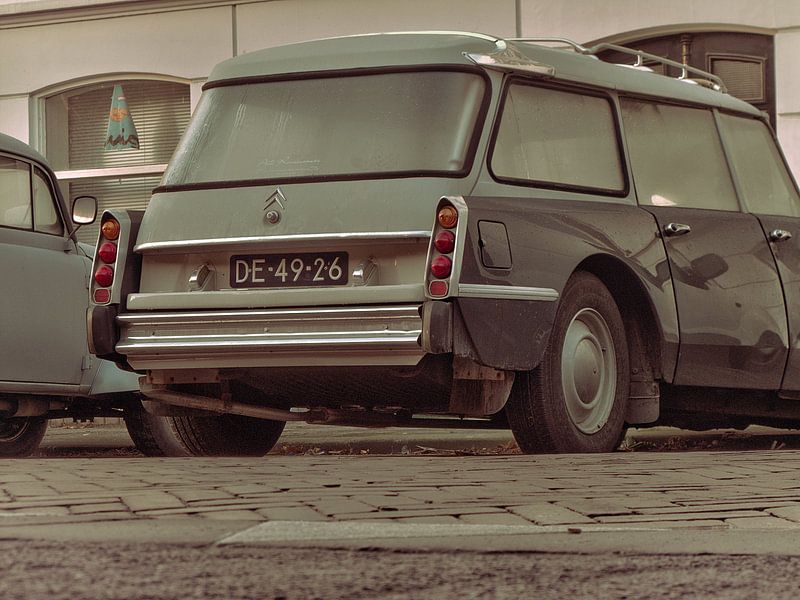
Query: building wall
pixel 48 45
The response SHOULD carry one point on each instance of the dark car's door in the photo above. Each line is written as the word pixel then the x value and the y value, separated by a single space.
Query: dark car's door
pixel 733 329
pixel 769 192
pixel 43 282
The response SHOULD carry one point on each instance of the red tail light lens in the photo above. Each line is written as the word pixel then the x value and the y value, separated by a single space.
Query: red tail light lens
pixel 447 217
pixel 444 242
pixel 441 267
pixel 102 295
pixel 104 276
pixel 108 252
pixel 437 288
pixel 110 229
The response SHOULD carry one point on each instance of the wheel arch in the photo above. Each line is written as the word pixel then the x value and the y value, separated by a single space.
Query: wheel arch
pixel 644 334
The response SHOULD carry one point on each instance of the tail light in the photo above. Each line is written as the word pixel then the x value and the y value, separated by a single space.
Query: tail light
pixel 106 259
pixel 446 248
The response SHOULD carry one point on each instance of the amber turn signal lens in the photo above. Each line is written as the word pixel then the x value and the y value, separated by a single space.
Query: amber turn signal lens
pixel 447 217
pixel 441 267
pixel 444 242
pixel 104 276
pixel 110 229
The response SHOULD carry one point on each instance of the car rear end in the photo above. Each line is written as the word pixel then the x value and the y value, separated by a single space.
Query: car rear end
pixel 288 250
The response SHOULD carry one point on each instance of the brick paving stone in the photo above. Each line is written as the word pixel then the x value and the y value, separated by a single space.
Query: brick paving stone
pixel 385 501
pixel 437 519
pixel 151 500
pixel 341 506
pixel 592 508
pixel 38 511
pixel 195 495
pixel 791 513
pixel 423 512
pixel 543 513
pixel 686 516
pixel 291 513
pixel 713 507
pixel 87 509
pixel 249 488
pixel 28 490
pixel 499 518
pixel 765 522
pixel 233 515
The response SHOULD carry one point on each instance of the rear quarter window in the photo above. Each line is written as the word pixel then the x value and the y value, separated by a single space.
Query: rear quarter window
pixel 556 138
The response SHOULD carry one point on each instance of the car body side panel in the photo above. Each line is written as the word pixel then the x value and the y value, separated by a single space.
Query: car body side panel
pixel 549 239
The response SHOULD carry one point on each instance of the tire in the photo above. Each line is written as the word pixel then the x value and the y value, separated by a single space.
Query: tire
pixel 152 435
pixel 575 400
pixel 21 436
pixel 226 435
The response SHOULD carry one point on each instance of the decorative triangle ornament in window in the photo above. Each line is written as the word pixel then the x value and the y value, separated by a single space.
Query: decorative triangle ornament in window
pixel 121 130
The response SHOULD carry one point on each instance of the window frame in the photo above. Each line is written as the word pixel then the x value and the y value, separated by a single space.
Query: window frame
pixel 745 207
pixel 55 197
pixel 470 154
pixel 720 137
pixel 624 192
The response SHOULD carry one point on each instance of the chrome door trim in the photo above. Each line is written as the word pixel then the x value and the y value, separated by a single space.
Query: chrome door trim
pixel 506 292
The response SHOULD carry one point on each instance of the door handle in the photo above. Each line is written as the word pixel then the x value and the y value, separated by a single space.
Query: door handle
pixel 779 235
pixel 675 229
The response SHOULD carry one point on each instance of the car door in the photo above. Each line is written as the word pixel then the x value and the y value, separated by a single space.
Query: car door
pixel 770 193
pixel 731 312
pixel 44 295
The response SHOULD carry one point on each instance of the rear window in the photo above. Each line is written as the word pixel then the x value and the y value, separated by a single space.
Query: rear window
pixel 333 127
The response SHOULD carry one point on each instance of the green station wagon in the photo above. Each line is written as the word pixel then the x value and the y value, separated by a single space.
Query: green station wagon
pixel 451 229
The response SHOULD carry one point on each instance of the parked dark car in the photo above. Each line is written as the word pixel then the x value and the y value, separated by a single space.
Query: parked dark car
pixel 448 229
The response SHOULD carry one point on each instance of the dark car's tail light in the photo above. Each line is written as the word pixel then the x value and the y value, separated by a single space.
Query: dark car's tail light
pixel 108 252
pixel 104 276
pixel 446 247
pixel 441 267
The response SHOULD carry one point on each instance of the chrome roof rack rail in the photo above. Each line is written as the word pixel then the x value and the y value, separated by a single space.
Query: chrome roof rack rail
pixel 704 78
pixel 556 40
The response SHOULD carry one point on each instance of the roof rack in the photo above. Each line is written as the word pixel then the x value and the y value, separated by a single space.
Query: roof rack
pixel 705 79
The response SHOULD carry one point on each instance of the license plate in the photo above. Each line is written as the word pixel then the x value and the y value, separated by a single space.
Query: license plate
pixel 305 269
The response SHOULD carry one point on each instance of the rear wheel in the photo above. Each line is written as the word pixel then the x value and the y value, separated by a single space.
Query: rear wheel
pixel 226 435
pixel 575 400
pixel 21 436
pixel 152 435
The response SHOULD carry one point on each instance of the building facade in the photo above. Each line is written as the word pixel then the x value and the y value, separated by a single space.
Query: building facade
pixel 60 60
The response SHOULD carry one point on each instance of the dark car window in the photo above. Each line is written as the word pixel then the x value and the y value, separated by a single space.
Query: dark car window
pixel 45 215
pixel 549 136
pixel 331 127
pixel 15 193
pixel 676 156
pixel 765 183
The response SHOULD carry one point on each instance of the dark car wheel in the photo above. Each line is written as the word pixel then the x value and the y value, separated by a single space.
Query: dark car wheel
pixel 21 436
pixel 575 400
pixel 226 435
pixel 152 435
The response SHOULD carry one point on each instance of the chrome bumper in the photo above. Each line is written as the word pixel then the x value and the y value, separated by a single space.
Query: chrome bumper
pixel 386 335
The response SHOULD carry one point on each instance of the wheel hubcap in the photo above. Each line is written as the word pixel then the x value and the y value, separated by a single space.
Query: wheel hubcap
pixel 12 429
pixel 588 371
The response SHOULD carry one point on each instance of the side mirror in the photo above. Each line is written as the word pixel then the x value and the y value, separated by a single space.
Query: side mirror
pixel 84 210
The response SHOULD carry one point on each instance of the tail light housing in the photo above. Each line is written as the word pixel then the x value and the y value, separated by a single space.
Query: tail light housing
pixel 446 248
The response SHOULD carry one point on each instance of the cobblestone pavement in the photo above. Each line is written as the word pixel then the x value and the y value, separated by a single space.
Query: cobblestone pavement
pixel 432 496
